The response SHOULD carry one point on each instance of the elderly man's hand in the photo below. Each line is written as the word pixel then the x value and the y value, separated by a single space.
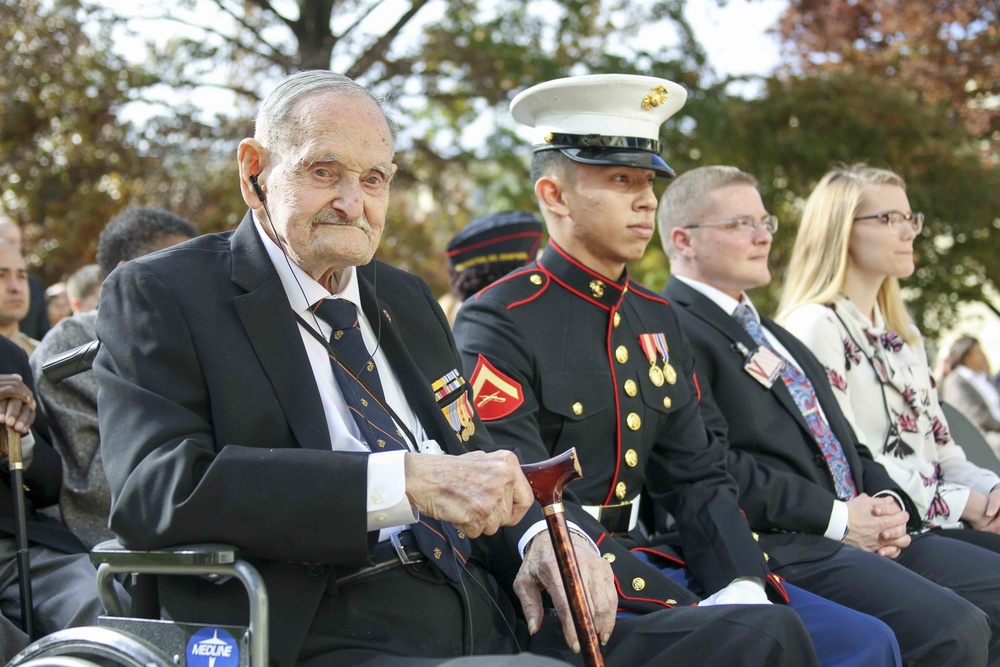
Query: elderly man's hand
pixel 17 403
pixel 539 572
pixel 477 492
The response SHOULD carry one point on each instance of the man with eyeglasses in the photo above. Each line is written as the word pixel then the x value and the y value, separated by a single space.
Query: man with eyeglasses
pixel 832 520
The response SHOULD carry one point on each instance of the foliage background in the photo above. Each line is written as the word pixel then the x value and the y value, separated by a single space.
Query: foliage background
pixel 905 85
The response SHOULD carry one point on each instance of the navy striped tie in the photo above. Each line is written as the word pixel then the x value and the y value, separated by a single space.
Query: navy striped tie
pixel 359 382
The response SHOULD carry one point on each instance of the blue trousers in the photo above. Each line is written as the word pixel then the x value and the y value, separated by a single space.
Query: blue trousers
pixel 842 637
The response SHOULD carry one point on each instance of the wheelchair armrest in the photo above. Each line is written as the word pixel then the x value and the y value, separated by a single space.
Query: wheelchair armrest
pixel 213 560
pixel 188 555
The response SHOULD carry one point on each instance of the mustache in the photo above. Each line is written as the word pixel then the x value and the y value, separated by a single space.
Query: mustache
pixel 333 218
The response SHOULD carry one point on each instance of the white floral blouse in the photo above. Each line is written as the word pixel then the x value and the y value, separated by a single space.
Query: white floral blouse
pixel 885 389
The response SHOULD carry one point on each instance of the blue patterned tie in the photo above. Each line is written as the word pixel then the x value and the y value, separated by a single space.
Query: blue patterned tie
pixel 801 390
pixel 361 387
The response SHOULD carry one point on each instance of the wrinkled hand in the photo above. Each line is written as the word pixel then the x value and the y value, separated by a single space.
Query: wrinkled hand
pixel 877 525
pixel 17 403
pixel 540 571
pixel 477 492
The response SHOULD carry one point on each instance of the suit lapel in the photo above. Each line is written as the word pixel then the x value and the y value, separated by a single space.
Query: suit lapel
pixel 271 327
pixel 707 310
pixel 415 384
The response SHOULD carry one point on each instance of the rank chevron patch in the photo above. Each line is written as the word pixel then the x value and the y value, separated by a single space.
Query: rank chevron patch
pixel 496 395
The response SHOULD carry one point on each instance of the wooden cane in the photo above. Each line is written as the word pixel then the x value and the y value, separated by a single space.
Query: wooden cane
pixel 547 480
pixel 10 448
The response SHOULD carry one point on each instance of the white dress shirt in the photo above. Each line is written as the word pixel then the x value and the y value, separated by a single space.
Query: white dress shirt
pixel 388 506
pixel 836 529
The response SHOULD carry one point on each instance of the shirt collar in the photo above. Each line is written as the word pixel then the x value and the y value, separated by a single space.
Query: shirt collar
pixel 581 281
pixel 300 288
pixel 727 303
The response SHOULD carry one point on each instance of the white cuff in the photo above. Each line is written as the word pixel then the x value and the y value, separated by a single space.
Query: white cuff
pixel 836 530
pixel 387 502
pixel 539 526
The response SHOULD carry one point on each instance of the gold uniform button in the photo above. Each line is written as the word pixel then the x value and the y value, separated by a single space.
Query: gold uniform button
pixel 634 421
pixel 621 354
pixel 638 583
pixel 631 388
pixel 756 537
pixel 609 557
pixel 621 490
pixel 616 320
pixel 766 557
pixel 578 408
pixel 670 601
pixel 631 458
pixel 437 553
pixel 535 279
pixel 667 402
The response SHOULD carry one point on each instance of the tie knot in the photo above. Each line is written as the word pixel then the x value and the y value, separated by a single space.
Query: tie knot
pixel 745 317
pixel 338 313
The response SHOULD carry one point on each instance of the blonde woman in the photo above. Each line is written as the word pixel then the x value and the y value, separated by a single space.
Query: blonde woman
pixel 842 299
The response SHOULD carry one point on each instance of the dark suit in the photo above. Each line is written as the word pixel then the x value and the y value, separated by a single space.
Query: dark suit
pixel 213 429
pixel 62 578
pixel 42 479
pixel 787 491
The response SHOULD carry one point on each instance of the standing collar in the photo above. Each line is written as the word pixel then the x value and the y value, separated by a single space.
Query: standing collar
pixel 590 286
pixel 300 288
pixel 727 303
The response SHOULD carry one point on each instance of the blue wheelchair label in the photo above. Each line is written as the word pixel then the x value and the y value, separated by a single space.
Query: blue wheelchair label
pixel 212 647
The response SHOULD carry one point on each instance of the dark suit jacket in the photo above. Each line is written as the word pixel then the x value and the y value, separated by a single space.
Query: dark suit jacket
pixel 212 427
pixel 786 488
pixel 42 478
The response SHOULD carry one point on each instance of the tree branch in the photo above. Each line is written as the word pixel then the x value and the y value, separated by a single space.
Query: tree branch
pixel 364 15
pixel 268 7
pixel 254 30
pixel 275 57
pixel 381 46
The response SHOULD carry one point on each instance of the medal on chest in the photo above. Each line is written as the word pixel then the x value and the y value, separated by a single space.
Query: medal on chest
pixel 654 346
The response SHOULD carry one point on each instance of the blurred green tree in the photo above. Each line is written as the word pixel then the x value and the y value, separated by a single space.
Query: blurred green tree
pixel 68 164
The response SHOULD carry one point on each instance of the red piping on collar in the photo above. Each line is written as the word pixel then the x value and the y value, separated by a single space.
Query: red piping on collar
pixel 551 276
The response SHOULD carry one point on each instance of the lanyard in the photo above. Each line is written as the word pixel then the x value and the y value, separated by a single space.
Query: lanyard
pixel 336 355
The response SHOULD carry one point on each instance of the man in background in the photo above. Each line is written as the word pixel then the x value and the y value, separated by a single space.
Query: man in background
pixel 56 302
pixel 36 322
pixel 71 405
pixel 83 288
pixel 14 297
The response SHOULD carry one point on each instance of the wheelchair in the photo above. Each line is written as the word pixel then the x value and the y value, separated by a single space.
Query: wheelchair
pixel 126 640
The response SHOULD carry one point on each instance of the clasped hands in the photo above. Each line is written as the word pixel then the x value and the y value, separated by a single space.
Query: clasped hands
pixel 877 524
pixel 479 493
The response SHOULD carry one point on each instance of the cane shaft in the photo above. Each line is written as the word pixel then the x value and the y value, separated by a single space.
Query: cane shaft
pixel 11 446
pixel 547 480
pixel 583 620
